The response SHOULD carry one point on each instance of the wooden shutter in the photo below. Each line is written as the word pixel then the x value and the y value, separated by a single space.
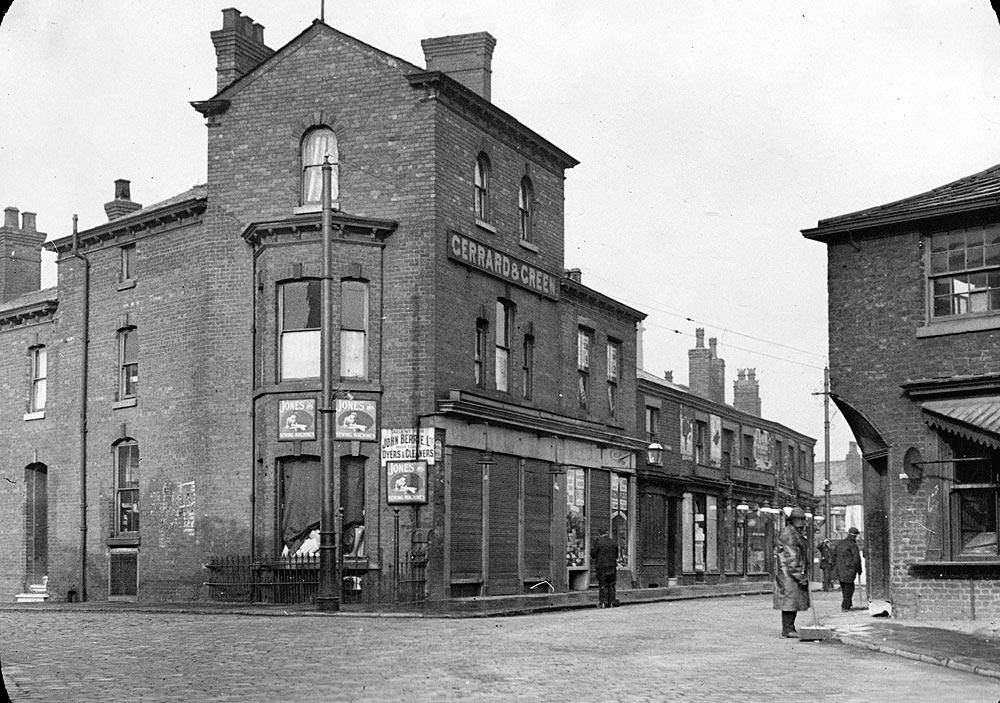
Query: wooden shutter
pixel 504 494
pixel 466 515
pixel 537 520
pixel 599 488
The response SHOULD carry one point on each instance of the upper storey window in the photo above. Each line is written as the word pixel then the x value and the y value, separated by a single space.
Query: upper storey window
pixel 354 329
pixel 965 271
pixel 299 332
pixel 482 188
pixel 525 199
pixel 316 146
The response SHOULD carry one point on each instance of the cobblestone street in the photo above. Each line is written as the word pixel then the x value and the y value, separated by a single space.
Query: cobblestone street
pixel 699 650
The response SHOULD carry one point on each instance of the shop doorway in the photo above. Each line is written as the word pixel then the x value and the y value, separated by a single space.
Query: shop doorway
pixel 876 541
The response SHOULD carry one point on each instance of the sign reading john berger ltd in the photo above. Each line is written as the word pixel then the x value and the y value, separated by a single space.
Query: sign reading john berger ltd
pixel 505 267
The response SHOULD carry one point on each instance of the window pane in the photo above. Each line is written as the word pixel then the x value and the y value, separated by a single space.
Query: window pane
pixel 978 522
pixel 300 305
pixel 130 342
pixel 38 395
pixel 353 354
pixel 300 354
pixel 354 305
pixel 501 370
pixel 939 262
pixel 501 328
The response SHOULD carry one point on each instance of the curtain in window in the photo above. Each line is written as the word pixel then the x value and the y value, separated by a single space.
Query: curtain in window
pixel 302 505
pixel 315 147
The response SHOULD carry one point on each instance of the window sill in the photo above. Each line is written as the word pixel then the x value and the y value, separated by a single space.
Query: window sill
pixel 960 568
pixel 525 244
pixel 126 403
pixel 37 415
pixel 126 284
pixel 123 541
pixel 939 328
pixel 482 224
pixel 310 208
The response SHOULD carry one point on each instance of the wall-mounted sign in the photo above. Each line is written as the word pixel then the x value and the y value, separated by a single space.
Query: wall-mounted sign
pixel 508 268
pixel 355 420
pixel 400 444
pixel 296 418
pixel 406 482
pixel 715 440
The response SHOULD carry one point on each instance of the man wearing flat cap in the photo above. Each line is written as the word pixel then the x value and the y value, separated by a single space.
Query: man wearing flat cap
pixel 847 567
pixel 791 582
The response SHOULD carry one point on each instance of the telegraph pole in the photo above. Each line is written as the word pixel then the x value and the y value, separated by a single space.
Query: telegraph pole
pixel 826 452
pixel 328 595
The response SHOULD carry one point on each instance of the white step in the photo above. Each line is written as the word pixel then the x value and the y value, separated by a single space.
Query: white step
pixel 31 597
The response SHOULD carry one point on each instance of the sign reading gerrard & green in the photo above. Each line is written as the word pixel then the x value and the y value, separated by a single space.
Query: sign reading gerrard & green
pixel 505 267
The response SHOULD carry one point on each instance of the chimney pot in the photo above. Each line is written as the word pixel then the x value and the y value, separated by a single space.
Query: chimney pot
pixel 28 221
pixel 712 342
pixel 699 337
pixel 574 275
pixel 669 375
pixel 122 189
pixel 10 218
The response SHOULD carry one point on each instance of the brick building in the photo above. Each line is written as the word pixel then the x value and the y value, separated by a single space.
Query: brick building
pixel 914 295
pixel 161 409
pixel 710 510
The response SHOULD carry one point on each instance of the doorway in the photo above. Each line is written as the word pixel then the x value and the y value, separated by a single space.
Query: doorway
pixel 876 521
pixel 36 524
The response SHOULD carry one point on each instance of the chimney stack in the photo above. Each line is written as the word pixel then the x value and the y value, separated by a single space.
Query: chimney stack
pixel 239 47
pixel 20 254
pixel 122 204
pixel 575 275
pixel 465 57
pixel 706 372
pixel 668 376
pixel 746 392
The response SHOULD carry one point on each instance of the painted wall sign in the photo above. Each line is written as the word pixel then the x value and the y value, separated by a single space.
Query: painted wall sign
pixel 355 420
pixel 508 268
pixel 715 440
pixel 296 418
pixel 687 433
pixel 400 444
pixel 406 482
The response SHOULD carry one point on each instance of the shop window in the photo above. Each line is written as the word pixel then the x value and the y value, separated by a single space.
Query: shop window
pixel 756 543
pixel 353 329
pixel 482 188
pixel 127 271
pixel 528 368
pixel 576 524
pixel 614 371
pixel 525 201
pixel 974 502
pixel 964 272
pixel 505 318
pixel 584 344
pixel 299 329
pixel 126 458
pixel 700 533
pixel 301 504
pixel 479 364
pixel 317 145
pixel 652 423
pixel 128 363
pixel 620 516
pixel 39 376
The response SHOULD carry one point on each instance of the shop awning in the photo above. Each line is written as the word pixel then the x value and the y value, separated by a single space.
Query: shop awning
pixel 869 438
pixel 977 419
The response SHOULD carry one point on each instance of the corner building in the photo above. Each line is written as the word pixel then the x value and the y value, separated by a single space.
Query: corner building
pixel 484 398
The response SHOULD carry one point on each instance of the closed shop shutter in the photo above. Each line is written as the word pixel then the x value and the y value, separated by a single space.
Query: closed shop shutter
pixel 504 492
pixel 466 515
pixel 653 548
pixel 600 507
pixel 537 522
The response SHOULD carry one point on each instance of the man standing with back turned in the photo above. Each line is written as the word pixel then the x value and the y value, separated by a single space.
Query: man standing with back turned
pixel 847 567
pixel 604 552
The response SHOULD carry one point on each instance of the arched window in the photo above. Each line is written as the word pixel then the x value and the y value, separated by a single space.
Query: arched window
pixel 525 201
pixel 316 145
pixel 126 455
pixel 482 188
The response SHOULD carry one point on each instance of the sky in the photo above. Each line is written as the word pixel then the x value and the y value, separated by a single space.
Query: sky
pixel 709 134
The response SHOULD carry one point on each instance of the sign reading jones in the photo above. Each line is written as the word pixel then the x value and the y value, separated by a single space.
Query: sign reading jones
pixel 495 262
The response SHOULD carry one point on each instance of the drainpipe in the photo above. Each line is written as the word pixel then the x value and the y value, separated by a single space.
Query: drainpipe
pixel 85 343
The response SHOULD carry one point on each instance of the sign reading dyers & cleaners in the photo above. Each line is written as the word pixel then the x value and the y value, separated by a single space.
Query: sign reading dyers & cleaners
pixel 503 266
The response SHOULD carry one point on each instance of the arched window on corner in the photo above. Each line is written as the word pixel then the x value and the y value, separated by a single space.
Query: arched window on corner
pixel 482 188
pixel 525 202
pixel 316 144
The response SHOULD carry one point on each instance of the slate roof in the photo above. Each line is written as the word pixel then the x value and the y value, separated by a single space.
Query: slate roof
pixel 976 192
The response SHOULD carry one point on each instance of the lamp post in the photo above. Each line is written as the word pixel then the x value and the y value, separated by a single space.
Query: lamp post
pixel 328 595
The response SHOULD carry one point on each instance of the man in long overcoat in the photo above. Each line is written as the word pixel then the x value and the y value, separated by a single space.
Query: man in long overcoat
pixel 604 552
pixel 825 549
pixel 847 567
pixel 791 578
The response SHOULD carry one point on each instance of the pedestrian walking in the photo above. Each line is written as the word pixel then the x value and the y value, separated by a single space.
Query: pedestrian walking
pixel 791 580
pixel 604 553
pixel 826 563
pixel 847 567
